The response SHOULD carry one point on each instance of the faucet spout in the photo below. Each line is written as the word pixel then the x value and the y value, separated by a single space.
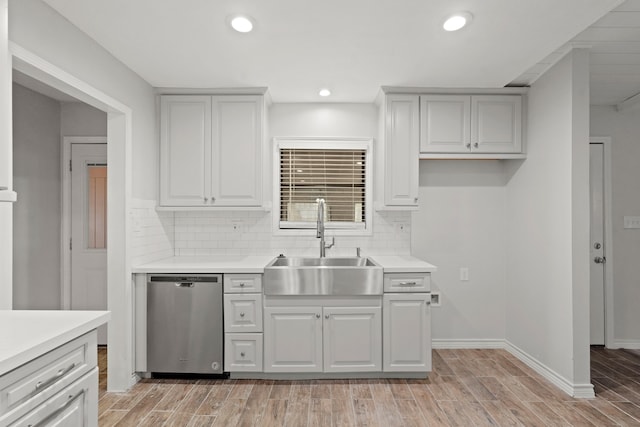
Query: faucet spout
pixel 320 227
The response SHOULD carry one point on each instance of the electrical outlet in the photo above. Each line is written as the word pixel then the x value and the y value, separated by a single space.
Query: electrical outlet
pixel 464 274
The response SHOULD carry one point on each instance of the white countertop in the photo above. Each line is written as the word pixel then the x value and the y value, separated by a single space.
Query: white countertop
pixel 403 264
pixel 207 264
pixel 27 334
pixel 256 264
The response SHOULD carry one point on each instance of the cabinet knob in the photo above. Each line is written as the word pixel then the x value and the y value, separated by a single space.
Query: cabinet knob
pixel 469 146
pixel 242 354
pixel 326 316
pixel 206 199
pixel 242 314
pixel 415 200
pixel 213 199
pixel 317 316
pixel 475 145
pixel 242 285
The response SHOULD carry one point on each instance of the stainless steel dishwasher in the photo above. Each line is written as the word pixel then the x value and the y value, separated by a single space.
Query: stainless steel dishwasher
pixel 184 323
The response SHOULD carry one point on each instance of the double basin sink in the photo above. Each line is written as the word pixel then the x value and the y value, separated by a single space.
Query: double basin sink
pixel 322 276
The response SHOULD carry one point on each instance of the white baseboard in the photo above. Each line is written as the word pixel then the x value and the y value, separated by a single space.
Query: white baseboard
pixel 628 344
pixel 583 391
pixel 467 343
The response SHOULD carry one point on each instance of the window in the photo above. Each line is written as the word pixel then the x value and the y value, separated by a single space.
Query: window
pixel 337 171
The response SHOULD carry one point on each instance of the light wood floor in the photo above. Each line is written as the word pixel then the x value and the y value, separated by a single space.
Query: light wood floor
pixel 466 388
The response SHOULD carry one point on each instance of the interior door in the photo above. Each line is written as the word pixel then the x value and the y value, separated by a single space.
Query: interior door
pixel 89 229
pixel 598 261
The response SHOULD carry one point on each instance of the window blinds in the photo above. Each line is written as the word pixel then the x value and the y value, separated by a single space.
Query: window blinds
pixel 336 175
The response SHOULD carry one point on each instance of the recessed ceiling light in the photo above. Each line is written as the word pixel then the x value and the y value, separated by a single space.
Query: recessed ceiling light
pixel 324 92
pixel 457 21
pixel 242 24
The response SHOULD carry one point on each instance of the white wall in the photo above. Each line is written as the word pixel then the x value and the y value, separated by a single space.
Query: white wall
pixel 36 232
pixel 461 223
pixel 547 223
pixel 623 127
pixel 80 119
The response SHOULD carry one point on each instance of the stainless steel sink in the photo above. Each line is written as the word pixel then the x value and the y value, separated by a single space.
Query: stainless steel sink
pixel 322 276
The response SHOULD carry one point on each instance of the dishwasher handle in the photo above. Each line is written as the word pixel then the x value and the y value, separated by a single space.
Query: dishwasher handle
pixel 184 284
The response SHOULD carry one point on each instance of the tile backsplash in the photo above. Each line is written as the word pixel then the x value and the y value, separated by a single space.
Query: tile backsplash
pixel 160 234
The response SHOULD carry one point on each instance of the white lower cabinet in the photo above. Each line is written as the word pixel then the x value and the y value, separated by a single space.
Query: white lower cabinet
pixel 243 352
pixel 322 339
pixel 406 332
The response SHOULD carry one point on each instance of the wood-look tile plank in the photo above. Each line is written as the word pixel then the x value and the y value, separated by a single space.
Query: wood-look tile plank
pixel 387 412
pixel 300 390
pixel 569 413
pixel 440 365
pixel 629 408
pixel 111 417
pixel 380 390
pixel 365 412
pixel 107 401
pixel 478 414
pixel 360 389
pixel 508 365
pixel 342 413
pixel 319 412
pixel 230 412
pixel 455 413
pixel 321 389
pixel 241 389
pixel 546 414
pixel 280 390
pixel 457 389
pixel 213 401
pixel 613 412
pixel 194 399
pixel 521 391
pixel 410 413
pixel 297 412
pixel 604 392
pixel 340 390
pixel 144 405
pixel 274 413
pixel 500 413
pixel 592 414
pixel 174 397
pixel 439 389
pixel 128 400
pixel 178 419
pixel 428 405
pixel 201 421
pixel 479 391
pixel 400 389
pixel 155 419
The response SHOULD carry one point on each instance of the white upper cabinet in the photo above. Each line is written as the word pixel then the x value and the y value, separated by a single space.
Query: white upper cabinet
pixel 466 125
pixel 444 123
pixel 185 135
pixel 401 150
pixel 211 150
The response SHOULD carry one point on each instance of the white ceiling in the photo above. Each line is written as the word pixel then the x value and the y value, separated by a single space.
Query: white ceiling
pixel 351 46
pixel 614 43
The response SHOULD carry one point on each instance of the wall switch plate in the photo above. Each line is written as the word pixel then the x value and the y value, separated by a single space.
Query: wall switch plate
pixel 632 222
pixel 464 274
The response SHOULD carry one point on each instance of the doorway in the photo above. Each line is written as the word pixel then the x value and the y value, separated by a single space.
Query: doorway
pixel 85 212
pixel 601 276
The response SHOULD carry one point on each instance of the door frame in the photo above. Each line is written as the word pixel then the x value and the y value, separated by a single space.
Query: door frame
pixel 609 336
pixel 65 229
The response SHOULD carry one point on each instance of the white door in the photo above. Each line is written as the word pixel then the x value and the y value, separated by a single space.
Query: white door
pixel 352 339
pixel 293 339
pixel 406 332
pixel 89 229
pixel 596 186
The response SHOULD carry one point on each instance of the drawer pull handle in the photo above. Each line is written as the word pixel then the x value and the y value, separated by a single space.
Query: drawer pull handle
pixel 61 373
pixel 54 414
pixel 242 314
pixel 184 285
pixel 407 284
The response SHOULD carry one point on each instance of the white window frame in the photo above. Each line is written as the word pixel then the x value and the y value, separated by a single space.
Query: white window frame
pixel 331 143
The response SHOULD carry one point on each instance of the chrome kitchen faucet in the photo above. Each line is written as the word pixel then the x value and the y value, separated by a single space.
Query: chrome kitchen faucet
pixel 320 228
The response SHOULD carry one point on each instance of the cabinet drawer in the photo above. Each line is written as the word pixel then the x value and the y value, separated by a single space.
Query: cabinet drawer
pixel 242 283
pixel 407 282
pixel 74 405
pixel 243 352
pixel 36 380
pixel 243 313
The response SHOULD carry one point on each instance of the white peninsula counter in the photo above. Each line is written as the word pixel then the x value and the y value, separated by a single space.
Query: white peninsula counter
pixel 48 366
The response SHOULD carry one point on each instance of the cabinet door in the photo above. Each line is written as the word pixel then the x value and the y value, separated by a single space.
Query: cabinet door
pixel 401 150
pixel 293 339
pixel 236 154
pixel 496 124
pixel 185 144
pixel 352 339
pixel 406 332
pixel 445 123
